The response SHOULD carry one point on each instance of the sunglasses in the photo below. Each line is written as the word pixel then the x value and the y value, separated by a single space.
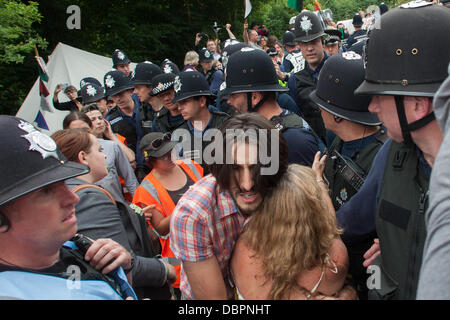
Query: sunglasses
pixel 157 143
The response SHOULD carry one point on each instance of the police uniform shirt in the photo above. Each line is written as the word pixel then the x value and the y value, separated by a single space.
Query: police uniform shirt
pixel 302 144
pixel 357 216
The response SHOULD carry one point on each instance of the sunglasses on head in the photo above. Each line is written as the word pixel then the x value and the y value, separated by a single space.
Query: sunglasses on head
pixel 157 143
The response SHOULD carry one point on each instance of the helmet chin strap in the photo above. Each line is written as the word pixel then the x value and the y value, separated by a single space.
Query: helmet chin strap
pixel 258 105
pixel 406 127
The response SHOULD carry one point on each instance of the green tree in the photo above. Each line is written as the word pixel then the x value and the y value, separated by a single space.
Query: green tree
pixel 17 37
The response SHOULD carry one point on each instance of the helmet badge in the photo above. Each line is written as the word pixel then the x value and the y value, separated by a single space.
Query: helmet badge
pixel 38 141
pixel 91 90
pixel 110 82
pixel 120 55
pixel 177 84
pixel 306 24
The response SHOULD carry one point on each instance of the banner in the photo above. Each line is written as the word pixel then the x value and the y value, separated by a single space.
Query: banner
pixel 295 4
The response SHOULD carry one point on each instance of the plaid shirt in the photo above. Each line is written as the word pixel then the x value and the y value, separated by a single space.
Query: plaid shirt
pixel 205 223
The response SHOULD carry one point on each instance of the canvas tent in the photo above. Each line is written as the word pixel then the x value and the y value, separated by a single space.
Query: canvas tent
pixel 65 64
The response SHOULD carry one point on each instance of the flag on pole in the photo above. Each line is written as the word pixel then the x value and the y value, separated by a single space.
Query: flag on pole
pixel 43 90
pixel 248 8
pixel 40 121
pixel 295 4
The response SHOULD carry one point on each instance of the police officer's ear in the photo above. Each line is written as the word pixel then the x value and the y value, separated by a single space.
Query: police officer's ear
pixel 337 119
pixel 4 223
pixel 421 106
pixel 257 97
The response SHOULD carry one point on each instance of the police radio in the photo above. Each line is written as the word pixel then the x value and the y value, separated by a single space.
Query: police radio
pixel 343 176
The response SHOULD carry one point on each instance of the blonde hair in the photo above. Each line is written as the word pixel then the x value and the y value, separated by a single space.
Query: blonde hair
pixel 293 231
pixel 191 58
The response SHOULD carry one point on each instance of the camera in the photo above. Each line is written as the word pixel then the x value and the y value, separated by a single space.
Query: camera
pixel 64 85
pixel 203 35
pixel 217 27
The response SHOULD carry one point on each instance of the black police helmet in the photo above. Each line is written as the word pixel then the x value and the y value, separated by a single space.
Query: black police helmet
pixel 91 93
pixel 409 54
pixel 357 20
pixel 162 82
pixel 230 49
pixel 288 39
pixel 144 73
pixel 31 160
pixel 205 55
pixel 189 84
pixel 90 80
pixel 119 57
pixel 250 70
pixel 307 27
pixel 116 82
pixel 169 67
pixel 341 74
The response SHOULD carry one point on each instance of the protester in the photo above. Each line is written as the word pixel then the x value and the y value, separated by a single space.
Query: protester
pixel 74 103
pixel 37 218
pixel 118 157
pixel 394 196
pixel 191 61
pixel 162 188
pixel 209 217
pixel 100 215
pixel 291 248
pixel 432 285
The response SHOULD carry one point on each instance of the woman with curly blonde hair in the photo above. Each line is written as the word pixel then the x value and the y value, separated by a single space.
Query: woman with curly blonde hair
pixel 291 248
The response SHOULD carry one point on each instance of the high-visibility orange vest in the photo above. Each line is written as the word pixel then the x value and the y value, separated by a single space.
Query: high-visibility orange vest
pixel 151 191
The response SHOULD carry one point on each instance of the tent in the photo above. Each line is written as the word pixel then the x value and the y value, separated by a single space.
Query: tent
pixel 65 64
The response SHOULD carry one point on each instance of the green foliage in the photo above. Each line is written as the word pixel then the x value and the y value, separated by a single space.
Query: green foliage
pixel 17 36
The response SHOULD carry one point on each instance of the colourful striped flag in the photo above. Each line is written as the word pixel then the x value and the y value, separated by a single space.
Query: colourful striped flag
pixel 43 90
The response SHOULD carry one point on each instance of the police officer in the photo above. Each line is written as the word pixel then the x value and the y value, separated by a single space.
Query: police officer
pixel 293 61
pixel 93 93
pixel 121 62
pixel 37 220
pixel 358 139
pixel 402 75
pixel 332 44
pixel 308 33
pixel 359 34
pixel 142 81
pixel 191 95
pixel 169 117
pixel 168 66
pixel 213 75
pixel 252 86
pixel 124 117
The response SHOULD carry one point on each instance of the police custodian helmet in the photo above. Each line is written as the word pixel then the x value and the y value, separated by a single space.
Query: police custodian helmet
pixel 31 160
pixel 250 70
pixel 119 57
pixel 308 27
pixel 341 74
pixel 116 82
pixel 189 84
pixel 144 73
pixel 408 55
